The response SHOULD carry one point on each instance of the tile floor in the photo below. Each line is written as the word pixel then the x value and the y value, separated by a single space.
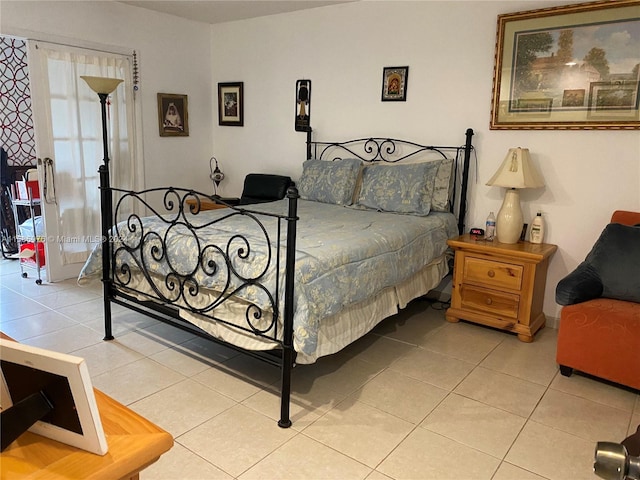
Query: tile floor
pixel 418 398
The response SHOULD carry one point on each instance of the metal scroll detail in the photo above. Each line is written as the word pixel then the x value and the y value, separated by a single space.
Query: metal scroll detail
pixel 375 149
pixel 187 258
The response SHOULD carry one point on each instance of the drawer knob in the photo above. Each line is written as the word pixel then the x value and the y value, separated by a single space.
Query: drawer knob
pixel 488 301
pixel 491 273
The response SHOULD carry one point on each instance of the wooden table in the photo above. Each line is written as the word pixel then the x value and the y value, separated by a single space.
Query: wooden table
pixel 134 443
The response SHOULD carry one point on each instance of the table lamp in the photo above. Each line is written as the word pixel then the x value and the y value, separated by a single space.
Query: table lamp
pixel 516 172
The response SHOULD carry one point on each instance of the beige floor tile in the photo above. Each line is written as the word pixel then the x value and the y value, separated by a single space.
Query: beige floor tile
pixel 66 340
pixel 376 475
pixel 580 417
pixel 136 380
pixel 595 390
pixel 181 463
pixel 180 360
pixel 306 404
pixel 65 298
pixel 210 352
pixel 339 373
pixel 553 454
pixel 506 471
pixel 426 455
pixel 464 341
pixel 238 378
pixel 14 306
pixel 105 356
pixel 402 396
pixel 362 432
pixel 320 462
pixel 534 362
pixel 10 296
pixel 236 440
pixel 381 351
pixel 501 391
pixel 143 342
pixel 89 310
pixel 475 424
pixel 434 368
pixel 47 321
pixel 189 402
pixel 413 324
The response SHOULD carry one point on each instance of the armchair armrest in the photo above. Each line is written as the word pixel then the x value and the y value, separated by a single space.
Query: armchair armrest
pixel 581 285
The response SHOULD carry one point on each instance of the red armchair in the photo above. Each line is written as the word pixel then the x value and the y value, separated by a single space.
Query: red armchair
pixel 599 334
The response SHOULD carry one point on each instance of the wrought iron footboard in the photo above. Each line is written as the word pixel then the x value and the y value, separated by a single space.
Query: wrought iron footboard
pixel 181 258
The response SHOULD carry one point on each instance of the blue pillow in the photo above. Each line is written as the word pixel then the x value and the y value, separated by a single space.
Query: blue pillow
pixel 404 189
pixel 329 181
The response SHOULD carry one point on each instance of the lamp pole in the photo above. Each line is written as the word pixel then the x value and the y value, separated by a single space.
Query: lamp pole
pixel 103 87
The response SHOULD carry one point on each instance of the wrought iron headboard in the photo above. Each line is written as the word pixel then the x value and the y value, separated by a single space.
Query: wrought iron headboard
pixel 392 150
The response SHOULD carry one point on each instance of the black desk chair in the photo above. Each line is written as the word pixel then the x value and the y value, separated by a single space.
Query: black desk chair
pixel 263 187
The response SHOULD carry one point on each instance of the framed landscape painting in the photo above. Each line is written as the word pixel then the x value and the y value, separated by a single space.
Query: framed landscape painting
pixel 571 67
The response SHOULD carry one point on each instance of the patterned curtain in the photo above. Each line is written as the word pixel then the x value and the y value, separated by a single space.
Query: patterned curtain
pixel 16 119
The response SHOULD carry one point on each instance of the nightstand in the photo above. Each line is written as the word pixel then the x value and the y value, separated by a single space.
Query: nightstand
pixel 500 285
pixel 209 203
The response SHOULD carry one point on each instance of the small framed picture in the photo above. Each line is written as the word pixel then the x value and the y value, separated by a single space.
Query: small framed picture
pixel 394 84
pixel 231 104
pixel 173 116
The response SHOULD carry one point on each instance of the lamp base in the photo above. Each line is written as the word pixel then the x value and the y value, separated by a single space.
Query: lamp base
pixel 509 221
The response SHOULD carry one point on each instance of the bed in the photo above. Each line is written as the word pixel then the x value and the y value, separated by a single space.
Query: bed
pixel 361 234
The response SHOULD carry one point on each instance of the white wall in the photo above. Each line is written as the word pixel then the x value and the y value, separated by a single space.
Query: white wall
pixel 174 56
pixel 449 47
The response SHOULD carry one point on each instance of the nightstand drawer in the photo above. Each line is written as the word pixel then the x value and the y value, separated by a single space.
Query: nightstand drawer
pixel 492 273
pixel 498 303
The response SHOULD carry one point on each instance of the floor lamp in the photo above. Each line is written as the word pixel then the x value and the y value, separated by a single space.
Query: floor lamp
pixel 104 86
pixel 517 171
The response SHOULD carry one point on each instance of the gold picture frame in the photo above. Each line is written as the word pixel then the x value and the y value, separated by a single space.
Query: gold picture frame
pixel 565 68
pixel 173 115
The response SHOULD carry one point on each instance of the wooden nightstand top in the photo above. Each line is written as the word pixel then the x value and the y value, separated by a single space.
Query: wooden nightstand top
pixel 524 250
pixel 209 204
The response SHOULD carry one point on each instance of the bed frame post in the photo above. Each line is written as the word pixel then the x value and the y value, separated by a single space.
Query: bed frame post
pixel 287 344
pixel 106 209
pixel 309 143
pixel 465 181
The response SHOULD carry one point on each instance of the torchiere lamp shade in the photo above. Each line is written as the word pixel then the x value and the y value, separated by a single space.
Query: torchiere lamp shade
pixel 102 85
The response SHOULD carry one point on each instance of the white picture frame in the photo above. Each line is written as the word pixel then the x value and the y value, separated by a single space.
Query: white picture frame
pixel 24 367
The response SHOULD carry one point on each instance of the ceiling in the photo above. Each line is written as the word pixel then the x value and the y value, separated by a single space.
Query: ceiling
pixel 219 11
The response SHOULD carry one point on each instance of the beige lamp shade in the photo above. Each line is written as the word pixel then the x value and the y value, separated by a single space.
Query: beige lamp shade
pixel 102 85
pixel 517 171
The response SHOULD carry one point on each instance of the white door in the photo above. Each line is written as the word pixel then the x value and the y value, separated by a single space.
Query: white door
pixel 68 131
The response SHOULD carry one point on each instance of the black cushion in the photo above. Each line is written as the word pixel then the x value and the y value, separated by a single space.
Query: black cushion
pixel 263 187
pixel 611 269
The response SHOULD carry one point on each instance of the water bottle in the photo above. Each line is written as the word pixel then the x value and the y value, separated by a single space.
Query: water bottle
pixel 490 230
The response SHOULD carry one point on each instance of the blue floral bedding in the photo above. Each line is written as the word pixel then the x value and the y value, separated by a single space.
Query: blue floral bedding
pixel 343 256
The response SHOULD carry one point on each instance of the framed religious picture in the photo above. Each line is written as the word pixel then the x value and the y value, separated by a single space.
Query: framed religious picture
pixel 394 84
pixel 231 104
pixel 569 67
pixel 173 116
